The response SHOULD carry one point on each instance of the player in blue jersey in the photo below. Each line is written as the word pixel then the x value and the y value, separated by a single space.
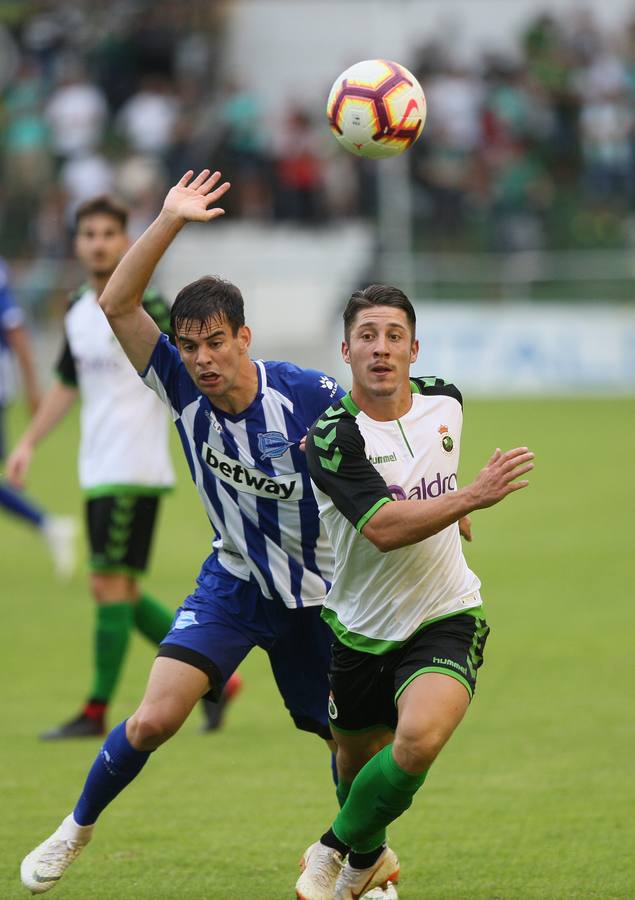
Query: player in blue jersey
pixel 241 423
pixel 58 531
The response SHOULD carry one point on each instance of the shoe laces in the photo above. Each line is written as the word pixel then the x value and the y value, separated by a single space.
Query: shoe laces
pixel 59 855
pixel 325 865
pixel 352 880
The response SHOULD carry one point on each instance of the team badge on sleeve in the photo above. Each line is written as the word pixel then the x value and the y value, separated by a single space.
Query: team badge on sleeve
pixel 447 441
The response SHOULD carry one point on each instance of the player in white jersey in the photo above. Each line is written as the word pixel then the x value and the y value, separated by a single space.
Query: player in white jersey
pixel 121 484
pixel 404 606
pixel 242 423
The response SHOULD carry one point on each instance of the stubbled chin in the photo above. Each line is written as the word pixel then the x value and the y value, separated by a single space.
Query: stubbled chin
pixel 381 390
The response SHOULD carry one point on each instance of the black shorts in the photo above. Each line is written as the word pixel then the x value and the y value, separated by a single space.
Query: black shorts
pixel 120 529
pixel 365 687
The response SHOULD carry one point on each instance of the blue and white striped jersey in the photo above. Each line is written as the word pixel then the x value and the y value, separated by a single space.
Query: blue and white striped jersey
pixel 251 474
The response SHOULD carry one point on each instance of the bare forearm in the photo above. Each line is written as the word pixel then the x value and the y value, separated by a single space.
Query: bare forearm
pixel 401 523
pixel 21 346
pixel 406 522
pixel 125 288
pixel 54 406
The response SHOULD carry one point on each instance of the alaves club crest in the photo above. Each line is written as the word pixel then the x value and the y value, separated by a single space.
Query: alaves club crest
pixel 447 441
pixel 272 444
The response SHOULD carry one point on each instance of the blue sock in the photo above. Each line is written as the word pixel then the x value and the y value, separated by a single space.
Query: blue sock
pixel 115 767
pixel 20 506
pixel 334 769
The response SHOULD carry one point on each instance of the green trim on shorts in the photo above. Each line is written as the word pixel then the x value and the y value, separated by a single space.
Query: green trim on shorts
pixel 376 646
pixel 442 671
pixel 126 490
pixel 361 730
pixel 114 569
pixel 371 512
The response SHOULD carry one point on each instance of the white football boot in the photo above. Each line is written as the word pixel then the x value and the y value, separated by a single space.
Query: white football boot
pixel 354 883
pixel 43 867
pixel 60 534
pixel 380 893
pixel 320 867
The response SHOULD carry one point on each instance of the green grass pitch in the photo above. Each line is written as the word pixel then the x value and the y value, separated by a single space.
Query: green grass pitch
pixel 533 798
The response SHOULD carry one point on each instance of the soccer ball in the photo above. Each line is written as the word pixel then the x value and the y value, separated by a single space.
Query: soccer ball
pixel 376 108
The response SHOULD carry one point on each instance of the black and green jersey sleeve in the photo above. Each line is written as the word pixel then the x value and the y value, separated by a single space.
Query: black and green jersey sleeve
pixel 336 455
pixel 431 385
pixel 156 307
pixel 65 366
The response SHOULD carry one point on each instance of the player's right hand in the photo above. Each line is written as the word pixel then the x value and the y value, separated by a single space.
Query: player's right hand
pixel 499 477
pixel 189 200
pixel 18 465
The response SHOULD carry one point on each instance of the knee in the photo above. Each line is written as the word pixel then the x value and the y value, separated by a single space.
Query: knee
pixel 415 752
pixel 351 759
pixel 349 765
pixel 109 588
pixel 150 727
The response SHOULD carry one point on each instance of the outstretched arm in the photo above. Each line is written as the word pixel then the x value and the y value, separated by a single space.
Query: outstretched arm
pixel 20 343
pixel 55 404
pixel 400 524
pixel 188 201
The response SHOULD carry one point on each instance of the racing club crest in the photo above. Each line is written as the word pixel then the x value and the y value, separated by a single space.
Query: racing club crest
pixel 272 444
pixel 447 442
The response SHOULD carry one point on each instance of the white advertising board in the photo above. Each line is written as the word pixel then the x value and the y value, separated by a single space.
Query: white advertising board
pixel 528 348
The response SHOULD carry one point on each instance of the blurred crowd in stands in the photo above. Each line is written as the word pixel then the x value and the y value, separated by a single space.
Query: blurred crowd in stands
pixel 534 150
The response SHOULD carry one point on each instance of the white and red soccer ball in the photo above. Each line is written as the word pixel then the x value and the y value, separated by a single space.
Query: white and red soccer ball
pixel 376 108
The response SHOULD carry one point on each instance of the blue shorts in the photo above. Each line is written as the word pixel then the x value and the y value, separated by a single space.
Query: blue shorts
pixel 226 617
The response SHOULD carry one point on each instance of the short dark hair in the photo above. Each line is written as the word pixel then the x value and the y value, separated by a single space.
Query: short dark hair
pixel 205 298
pixel 102 205
pixel 378 295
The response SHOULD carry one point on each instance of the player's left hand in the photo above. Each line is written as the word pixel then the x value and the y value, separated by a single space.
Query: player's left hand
pixel 190 200
pixel 465 528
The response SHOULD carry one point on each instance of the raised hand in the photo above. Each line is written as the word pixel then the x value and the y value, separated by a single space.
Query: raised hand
pixel 190 200
pixel 499 477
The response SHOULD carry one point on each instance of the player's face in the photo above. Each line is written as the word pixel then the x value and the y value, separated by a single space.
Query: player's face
pixel 380 350
pixel 100 243
pixel 213 355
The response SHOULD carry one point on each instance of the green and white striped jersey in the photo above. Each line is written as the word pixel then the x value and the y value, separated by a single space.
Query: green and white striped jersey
pixel 379 600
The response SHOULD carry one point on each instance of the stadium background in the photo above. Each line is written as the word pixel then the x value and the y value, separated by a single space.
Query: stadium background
pixel 511 225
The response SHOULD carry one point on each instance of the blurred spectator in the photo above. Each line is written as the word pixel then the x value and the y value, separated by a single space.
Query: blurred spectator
pixel 27 166
pixel 141 181
pixel 298 193
pixel 76 113
pixel 607 127
pixel 242 152
pixel 148 118
pixel 84 176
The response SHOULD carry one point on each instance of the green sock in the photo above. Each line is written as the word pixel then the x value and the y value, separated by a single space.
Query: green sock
pixel 380 793
pixel 151 619
pixel 112 631
pixel 342 791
